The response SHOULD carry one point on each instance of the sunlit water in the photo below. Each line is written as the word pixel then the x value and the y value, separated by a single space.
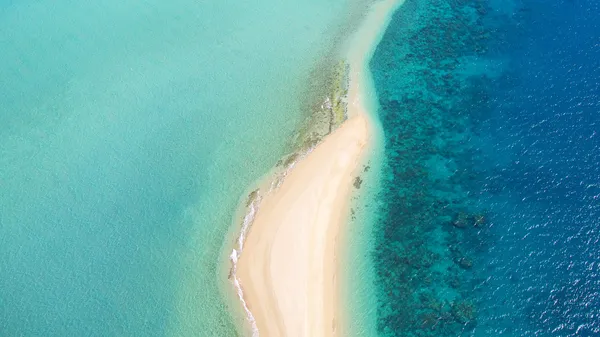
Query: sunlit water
pixel 128 132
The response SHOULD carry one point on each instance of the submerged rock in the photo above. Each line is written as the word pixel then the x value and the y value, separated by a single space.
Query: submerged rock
pixel 461 220
pixel 479 220
pixel 463 311
pixel 290 159
pixel 465 263
pixel 251 197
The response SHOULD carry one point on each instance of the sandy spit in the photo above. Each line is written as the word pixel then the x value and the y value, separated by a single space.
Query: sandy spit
pixel 288 267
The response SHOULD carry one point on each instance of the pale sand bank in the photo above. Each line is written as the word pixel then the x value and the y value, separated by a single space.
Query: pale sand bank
pixel 288 267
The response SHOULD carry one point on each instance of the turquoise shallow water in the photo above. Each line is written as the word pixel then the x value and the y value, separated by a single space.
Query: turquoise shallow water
pixel 128 132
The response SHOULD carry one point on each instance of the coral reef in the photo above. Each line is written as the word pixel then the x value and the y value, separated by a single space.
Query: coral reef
pixel 429 228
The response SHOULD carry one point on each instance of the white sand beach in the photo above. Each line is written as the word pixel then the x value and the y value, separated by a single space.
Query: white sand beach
pixel 287 270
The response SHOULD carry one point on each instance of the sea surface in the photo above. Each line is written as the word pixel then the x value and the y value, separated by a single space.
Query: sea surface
pixel 489 216
pixel 129 132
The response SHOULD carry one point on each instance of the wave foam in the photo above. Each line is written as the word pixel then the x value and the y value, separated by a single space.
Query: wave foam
pixel 234 257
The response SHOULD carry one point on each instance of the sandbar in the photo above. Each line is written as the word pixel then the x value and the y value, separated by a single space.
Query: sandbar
pixel 289 264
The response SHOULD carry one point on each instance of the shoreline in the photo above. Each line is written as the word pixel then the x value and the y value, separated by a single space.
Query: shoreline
pixel 249 206
pixel 296 292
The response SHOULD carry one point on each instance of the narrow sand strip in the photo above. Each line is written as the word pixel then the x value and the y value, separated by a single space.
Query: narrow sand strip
pixel 288 267
pixel 361 91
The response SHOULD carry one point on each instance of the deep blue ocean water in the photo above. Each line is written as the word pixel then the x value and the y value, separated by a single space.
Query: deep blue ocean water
pixel 491 216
